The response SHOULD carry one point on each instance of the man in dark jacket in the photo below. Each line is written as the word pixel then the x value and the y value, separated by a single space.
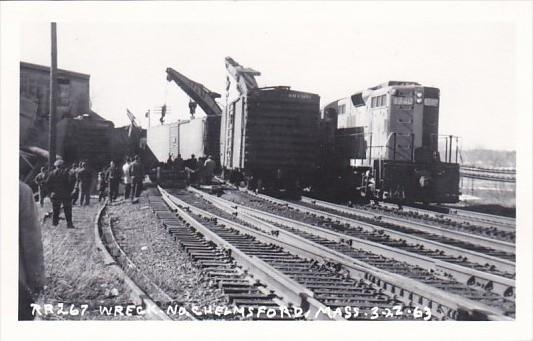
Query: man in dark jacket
pixel 112 176
pixel 84 180
pixel 60 184
pixel 74 169
pixel 179 163
pixel 137 176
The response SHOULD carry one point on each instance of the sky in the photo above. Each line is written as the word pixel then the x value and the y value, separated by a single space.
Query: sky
pixel 333 55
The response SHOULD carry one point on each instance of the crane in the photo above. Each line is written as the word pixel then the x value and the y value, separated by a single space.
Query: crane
pixel 197 92
pixel 244 76
pixel 205 98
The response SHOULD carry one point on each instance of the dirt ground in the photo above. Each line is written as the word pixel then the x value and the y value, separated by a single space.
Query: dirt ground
pixel 75 273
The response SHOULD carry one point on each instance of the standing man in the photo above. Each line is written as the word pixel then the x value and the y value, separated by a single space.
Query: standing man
pixel 84 180
pixel 127 178
pixel 40 180
pixel 113 179
pixel 209 169
pixel 178 163
pixel 60 183
pixel 74 169
pixel 31 259
pixel 193 162
pixel 137 176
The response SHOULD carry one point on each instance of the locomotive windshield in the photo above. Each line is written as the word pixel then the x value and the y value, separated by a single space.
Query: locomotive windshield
pixel 357 100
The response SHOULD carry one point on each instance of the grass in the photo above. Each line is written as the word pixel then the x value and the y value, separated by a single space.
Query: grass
pixel 75 273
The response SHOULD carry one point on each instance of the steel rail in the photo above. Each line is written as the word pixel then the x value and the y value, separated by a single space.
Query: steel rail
pixel 502 264
pixel 411 291
pixel 489 170
pixel 482 216
pixel 500 285
pixel 292 291
pixel 483 177
pixel 152 311
pixel 504 226
pixel 452 234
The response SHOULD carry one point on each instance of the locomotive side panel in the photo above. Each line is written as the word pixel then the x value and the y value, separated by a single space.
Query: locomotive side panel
pixel 403 122
pixel 430 132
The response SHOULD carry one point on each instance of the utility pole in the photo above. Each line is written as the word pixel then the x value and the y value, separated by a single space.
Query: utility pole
pixel 53 99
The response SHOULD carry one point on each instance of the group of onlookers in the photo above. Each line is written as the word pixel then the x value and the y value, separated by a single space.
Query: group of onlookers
pixel 196 170
pixel 65 185
pixel 131 173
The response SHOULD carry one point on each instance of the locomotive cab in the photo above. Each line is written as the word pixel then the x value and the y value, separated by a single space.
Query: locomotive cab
pixel 388 134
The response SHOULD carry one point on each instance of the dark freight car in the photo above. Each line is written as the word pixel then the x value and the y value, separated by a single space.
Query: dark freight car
pixel 85 139
pixel 269 138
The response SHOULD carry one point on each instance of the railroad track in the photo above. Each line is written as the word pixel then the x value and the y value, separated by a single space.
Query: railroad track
pixel 492 238
pixel 393 273
pixel 483 217
pixel 431 245
pixel 498 224
pixel 318 289
pixel 466 272
pixel 249 298
pixel 114 257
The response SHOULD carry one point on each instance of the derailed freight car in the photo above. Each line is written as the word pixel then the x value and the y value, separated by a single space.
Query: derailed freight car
pixel 198 136
pixel 269 139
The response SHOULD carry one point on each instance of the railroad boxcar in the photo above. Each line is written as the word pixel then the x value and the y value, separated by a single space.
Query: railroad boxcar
pixel 193 136
pixel 269 139
pixel 387 137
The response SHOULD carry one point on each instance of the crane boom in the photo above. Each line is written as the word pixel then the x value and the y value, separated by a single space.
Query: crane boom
pixel 244 76
pixel 199 93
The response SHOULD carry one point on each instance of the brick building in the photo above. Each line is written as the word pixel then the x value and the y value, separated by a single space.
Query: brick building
pixel 81 133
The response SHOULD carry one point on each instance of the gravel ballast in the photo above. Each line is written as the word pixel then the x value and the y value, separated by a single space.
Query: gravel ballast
pixel 156 255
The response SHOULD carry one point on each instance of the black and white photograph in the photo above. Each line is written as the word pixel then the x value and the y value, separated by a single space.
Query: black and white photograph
pixel 249 170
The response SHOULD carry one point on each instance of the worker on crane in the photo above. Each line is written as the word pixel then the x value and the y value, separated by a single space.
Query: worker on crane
pixel 245 77
pixel 192 107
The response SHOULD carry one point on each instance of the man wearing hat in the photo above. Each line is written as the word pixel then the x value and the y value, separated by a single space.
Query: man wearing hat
pixel 209 169
pixel 60 183
pixel 137 176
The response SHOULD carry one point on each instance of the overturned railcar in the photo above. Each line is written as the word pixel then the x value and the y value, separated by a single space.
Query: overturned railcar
pixel 269 139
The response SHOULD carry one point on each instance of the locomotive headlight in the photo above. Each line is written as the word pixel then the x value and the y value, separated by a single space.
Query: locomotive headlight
pixel 419 100
pixel 419 94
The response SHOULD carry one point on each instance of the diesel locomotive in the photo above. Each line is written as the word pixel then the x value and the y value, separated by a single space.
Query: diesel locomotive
pixel 382 144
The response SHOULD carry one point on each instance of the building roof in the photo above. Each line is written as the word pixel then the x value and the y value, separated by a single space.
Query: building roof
pixel 61 72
